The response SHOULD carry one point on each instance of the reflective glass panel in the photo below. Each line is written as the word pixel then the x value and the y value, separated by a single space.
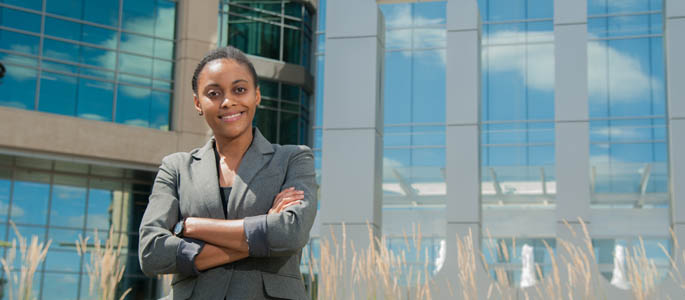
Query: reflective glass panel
pixel 133 106
pixel 58 93
pixel 18 87
pixel 19 19
pixel 61 286
pixel 95 100
pixel 30 198
pixel 68 206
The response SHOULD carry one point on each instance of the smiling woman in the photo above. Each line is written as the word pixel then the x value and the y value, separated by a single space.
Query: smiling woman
pixel 240 208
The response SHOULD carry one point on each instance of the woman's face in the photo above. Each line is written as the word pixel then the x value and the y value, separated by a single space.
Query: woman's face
pixel 227 97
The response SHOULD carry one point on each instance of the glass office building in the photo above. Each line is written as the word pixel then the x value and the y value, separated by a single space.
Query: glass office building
pixel 500 117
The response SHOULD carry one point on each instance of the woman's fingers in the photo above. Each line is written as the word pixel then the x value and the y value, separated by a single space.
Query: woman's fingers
pixel 287 194
pixel 284 205
pixel 291 204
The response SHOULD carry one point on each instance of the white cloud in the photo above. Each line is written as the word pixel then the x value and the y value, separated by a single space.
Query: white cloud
pixel 630 82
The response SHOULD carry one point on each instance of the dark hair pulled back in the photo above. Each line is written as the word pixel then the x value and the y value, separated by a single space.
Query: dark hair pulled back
pixel 228 52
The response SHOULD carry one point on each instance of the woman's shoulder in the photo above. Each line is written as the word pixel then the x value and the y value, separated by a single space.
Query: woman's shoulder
pixel 291 149
pixel 179 157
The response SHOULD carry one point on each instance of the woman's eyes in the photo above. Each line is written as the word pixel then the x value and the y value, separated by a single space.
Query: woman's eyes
pixel 237 90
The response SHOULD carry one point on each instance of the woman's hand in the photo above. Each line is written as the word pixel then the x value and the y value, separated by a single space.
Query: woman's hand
pixel 285 199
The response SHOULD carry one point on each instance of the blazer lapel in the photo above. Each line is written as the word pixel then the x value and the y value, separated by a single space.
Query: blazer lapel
pixel 257 155
pixel 207 180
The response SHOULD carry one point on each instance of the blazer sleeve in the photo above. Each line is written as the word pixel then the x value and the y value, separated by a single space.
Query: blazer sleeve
pixel 287 232
pixel 160 252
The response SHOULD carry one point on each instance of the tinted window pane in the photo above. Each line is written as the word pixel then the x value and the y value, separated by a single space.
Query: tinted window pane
pixel 133 106
pixel 101 207
pixel 164 49
pixel 22 43
pixel 135 64
pixel 94 100
pixel 139 16
pixel 398 98
pixel 61 50
pixel 31 4
pixel 254 37
pixel 18 87
pixel 288 130
pixel 58 94
pixel 19 19
pixel 429 13
pixel 267 122
pixel 68 201
pixel 104 12
pixel 30 202
pixel 166 19
pixel 291 45
pixel 5 185
pixel 163 69
pixel 159 110
pixel 428 86
pixel 61 286
pixel 137 44
pixel 67 8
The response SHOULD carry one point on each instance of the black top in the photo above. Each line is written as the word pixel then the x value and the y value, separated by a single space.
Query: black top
pixel 224 191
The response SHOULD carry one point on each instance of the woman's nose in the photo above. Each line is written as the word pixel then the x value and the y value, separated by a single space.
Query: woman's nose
pixel 227 102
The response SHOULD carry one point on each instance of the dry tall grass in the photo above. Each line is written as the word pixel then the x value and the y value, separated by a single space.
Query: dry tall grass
pixel 105 270
pixel 32 255
pixel 573 274
pixel 374 272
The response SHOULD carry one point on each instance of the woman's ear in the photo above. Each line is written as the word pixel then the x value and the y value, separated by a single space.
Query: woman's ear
pixel 196 101
pixel 258 95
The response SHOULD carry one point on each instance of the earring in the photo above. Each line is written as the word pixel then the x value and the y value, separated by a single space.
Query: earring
pixel 200 113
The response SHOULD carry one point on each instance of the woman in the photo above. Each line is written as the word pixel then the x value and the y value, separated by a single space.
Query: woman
pixel 229 219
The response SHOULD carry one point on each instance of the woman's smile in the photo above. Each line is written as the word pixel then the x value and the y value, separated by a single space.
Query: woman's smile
pixel 232 117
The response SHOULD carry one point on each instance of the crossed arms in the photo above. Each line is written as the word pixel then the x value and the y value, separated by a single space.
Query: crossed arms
pixel 214 242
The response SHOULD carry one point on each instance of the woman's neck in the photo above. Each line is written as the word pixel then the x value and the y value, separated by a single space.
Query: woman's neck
pixel 232 150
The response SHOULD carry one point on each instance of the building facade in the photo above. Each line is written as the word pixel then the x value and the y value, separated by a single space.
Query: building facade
pixel 505 119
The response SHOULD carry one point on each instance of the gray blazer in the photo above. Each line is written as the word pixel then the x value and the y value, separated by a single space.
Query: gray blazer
pixel 275 241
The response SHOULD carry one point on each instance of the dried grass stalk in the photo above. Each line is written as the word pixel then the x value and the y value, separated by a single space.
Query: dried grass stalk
pixel 32 255
pixel 105 270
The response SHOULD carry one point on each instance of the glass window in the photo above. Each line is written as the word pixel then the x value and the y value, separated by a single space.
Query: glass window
pixel 292 43
pixel 5 186
pixel 267 122
pixel 135 64
pixel 398 82
pixel 18 87
pixel 30 4
pixel 30 198
pixel 58 93
pixel 72 47
pixel 288 129
pixel 133 106
pixel 428 86
pixel 139 16
pixel 61 286
pixel 68 204
pixel 17 42
pixel 160 110
pixel 628 156
pixel 321 24
pixel 255 28
pixel 19 19
pixel 94 100
pixel 104 200
pixel 163 69
pixel 137 44
pixel 166 18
